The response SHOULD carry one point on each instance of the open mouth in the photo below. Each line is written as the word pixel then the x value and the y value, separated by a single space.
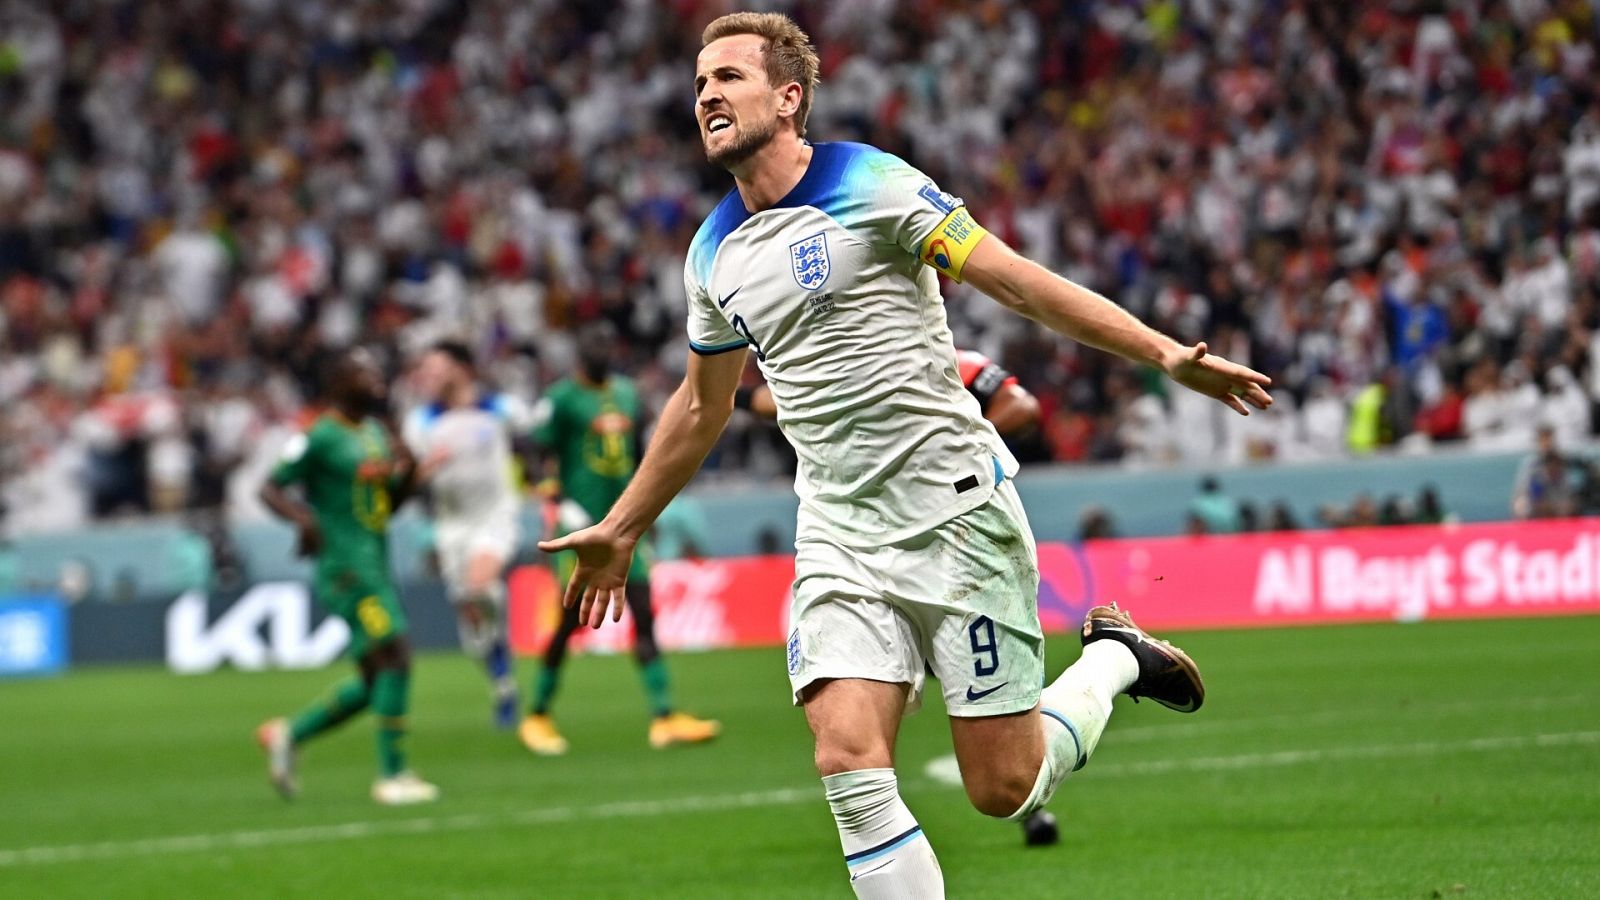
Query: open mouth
pixel 718 122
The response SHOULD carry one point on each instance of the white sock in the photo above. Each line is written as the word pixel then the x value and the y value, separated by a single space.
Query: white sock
pixel 477 640
pixel 888 855
pixel 1073 711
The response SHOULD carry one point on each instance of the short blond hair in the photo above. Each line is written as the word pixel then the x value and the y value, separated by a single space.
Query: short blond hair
pixel 787 48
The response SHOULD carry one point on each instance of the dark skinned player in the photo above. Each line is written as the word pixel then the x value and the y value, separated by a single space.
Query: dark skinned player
pixel 351 472
pixel 589 425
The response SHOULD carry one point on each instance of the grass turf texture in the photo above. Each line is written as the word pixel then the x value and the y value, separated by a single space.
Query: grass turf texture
pixel 1372 761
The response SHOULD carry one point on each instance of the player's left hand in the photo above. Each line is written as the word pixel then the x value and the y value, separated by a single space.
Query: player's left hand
pixel 1233 384
pixel 602 573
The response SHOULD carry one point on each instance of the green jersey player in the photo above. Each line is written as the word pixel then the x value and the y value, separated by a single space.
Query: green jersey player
pixel 589 424
pixel 351 473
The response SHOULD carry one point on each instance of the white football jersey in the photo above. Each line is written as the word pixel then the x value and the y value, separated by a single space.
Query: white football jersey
pixel 476 483
pixel 834 290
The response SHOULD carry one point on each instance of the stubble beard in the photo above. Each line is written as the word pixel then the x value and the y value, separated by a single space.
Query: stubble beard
pixel 745 145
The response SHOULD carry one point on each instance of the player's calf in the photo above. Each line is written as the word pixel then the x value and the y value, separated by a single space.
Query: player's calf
pixel 480 626
pixel 389 665
pixel 1000 758
pixel 855 722
pixel 885 851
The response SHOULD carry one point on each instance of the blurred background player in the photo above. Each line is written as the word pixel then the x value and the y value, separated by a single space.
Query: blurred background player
pixel 352 472
pixel 1014 413
pixel 462 435
pixel 590 424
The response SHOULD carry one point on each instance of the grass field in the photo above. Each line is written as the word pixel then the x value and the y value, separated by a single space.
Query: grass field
pixel 1414 761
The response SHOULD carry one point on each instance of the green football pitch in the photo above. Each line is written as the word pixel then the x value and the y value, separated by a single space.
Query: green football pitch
pixel 1431 760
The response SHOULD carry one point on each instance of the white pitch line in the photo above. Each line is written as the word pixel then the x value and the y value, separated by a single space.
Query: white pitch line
pixel 944 769
pixel 1326 754
pixel 347 831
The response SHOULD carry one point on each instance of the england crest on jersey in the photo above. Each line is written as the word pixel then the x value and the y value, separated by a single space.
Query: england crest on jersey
pixel 809 260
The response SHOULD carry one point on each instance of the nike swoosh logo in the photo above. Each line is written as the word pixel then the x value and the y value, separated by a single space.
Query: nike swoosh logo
pixel 855 875
pixel 723 303
pixel 974 696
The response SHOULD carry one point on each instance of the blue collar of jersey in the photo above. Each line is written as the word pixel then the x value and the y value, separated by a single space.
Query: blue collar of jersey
pixel 828 160
pixel 486 403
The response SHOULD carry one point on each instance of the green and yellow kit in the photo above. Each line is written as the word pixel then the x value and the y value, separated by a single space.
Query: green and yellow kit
pixel 348 474
pixel 593 430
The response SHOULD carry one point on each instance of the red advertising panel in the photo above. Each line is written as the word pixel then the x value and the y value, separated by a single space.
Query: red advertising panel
pixel 1401 573
pixel 699 604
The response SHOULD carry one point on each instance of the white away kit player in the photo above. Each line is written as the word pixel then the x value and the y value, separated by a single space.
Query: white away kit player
pixel 912 550
pixel 462 435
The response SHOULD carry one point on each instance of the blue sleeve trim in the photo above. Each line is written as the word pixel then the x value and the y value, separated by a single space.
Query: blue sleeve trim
pixel 714 349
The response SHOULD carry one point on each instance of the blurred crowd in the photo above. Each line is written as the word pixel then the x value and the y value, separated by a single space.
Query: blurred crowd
pixel 1391 208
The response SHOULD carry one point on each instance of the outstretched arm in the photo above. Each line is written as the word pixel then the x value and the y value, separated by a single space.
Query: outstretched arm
pixel 689 426
pixel 1030 289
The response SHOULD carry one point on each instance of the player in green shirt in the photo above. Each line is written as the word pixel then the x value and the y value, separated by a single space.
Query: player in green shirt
pixel 352 472
pixel 590 424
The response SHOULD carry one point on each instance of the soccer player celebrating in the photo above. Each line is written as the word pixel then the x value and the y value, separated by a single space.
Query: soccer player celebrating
pixel 591 423
pixel 352 473
pixel 912 548
pixel 462 435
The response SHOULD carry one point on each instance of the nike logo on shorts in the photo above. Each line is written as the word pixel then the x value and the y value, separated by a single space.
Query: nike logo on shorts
pixel 723 303
pixel 974 696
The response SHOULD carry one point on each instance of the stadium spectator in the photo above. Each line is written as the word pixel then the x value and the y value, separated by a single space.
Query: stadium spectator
pixel 1094 523
pixel 1282 518
pixel 1212 511
pixel 1545 487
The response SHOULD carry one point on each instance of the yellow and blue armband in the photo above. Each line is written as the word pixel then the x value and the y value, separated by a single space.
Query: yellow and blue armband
pixel 948 247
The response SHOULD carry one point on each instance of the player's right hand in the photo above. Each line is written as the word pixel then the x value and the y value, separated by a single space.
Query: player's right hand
pixel 602 573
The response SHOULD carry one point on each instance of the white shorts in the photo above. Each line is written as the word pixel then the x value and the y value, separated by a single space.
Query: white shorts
pixel 961 599
pixel 459 542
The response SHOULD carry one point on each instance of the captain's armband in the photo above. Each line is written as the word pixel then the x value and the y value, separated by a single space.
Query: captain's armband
pixel 948 247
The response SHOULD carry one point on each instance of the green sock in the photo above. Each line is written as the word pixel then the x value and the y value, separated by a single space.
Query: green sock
pixel 544 689
pixel 347 698
pixel 657 686
pixel 390 690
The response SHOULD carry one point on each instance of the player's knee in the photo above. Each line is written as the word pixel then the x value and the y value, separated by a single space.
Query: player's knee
pixel 835 757
pixel 999 796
